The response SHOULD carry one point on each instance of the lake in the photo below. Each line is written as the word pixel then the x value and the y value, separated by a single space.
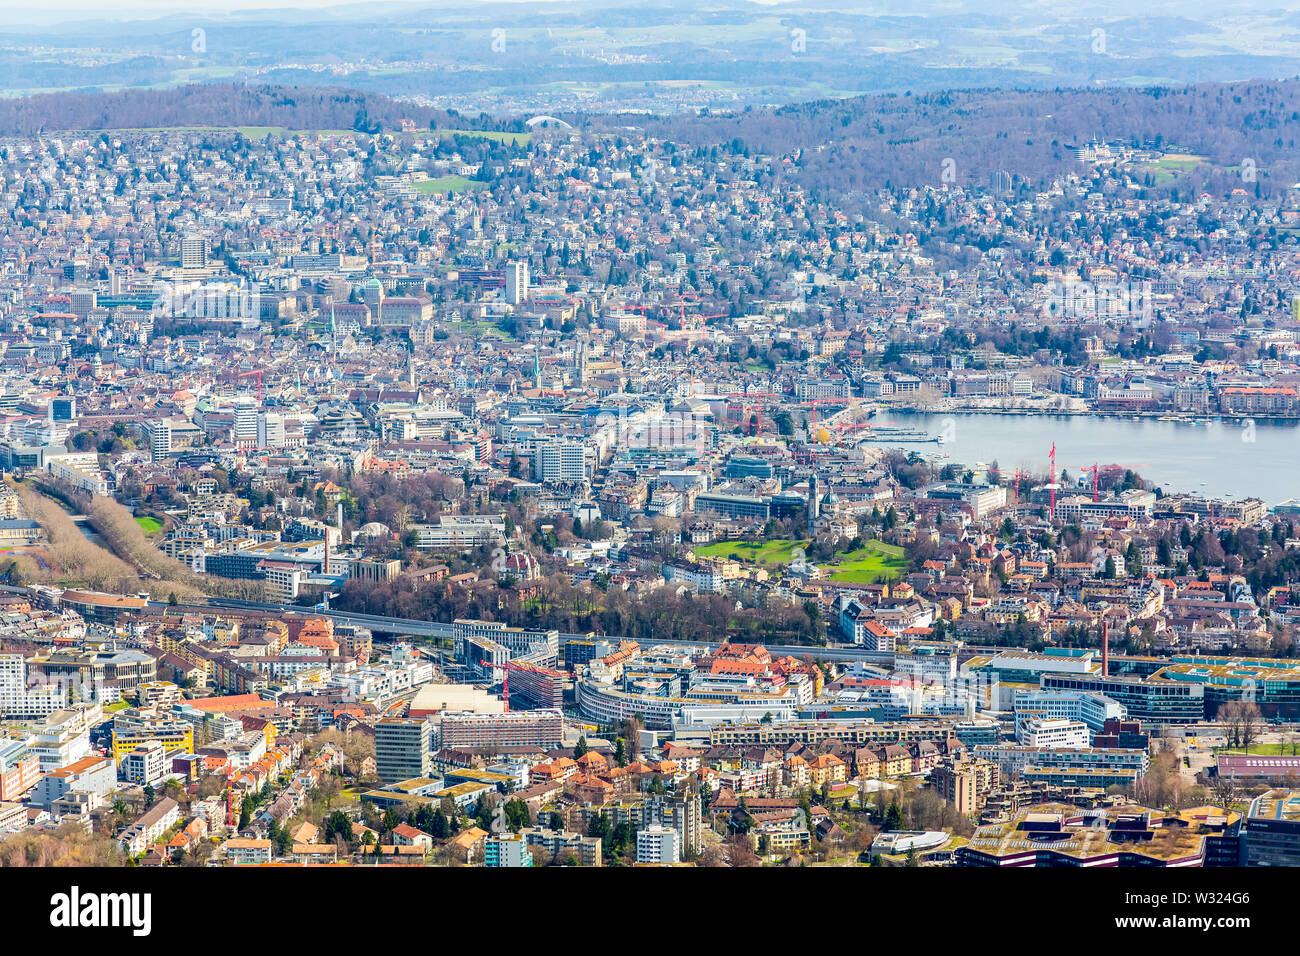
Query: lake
pixel 1216 459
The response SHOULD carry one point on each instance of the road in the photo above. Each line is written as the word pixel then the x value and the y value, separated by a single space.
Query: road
pixel 401 627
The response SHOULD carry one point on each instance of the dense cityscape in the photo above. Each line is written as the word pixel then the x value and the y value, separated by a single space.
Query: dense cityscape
pixel 527 491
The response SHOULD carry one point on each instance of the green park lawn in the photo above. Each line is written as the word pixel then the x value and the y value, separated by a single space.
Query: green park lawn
pixel 149 524
pixel 876 560
pixel 776 551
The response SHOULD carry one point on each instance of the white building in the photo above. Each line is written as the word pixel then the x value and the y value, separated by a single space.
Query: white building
pixel 1093 709
pixel 559 461
pixel 17 700
pixel 658 844
pixel 1052 732
pixel 144 765
pixel 244 430
pixel 270 430
pixel 79 470
pixel 460 531
pixel 194 252
pixel 516 282
pixel 160 438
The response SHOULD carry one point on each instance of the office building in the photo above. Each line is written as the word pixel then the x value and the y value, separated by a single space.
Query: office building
pixel 270 430
pixel 144 765
pixel 1150 701
pixel 1271 836
pixel 243 432
pixel 20 768
pixel 512 731
pixel 559 461
pixel 401 749
pixel 160 438
pixel 1054 732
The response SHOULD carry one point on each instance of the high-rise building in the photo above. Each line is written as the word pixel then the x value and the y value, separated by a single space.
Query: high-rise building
pixel 560 461
pixel 160 438
pixel 270 430
pixel 814 503
pixel 401 749
pixel 82 302
pixel 658 844
pixel 194 253
pixel 509 849
pixel 516 282
pixel 244 429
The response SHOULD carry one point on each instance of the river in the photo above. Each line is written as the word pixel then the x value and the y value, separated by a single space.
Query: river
pixel 1217 459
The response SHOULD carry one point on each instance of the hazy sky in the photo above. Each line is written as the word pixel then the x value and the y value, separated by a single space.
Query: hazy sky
pixel 23 11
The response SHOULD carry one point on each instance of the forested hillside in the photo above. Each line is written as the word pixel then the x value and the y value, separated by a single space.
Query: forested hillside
pixel 872 141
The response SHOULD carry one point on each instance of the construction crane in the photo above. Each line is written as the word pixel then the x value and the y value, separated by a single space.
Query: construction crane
pixel 508 666
pixel 1096 480
pixel 1051 508
pixel 747 407
pixel 646 319
pixel 258 373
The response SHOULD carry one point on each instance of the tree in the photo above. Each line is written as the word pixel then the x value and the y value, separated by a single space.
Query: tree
pixel 581 748
pixel 338 825
pixel 740 851
pixel 894 817
pixel 441 828
pixel 1250 717
pixel 517 815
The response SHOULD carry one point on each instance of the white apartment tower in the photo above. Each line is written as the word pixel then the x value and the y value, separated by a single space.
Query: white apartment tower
pixel 516 282
pixel 244 429
pixel 160 438
pixel 194 252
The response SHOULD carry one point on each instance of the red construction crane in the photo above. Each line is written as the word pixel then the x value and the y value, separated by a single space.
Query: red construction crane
pixel 1096 479
pixel 258 373
pixel 1051 508
pixel 747 407
pixel 681 303
pixel 509 666
pixel 814 402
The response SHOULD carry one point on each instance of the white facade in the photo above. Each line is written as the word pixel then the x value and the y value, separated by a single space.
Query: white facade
pixel 560 461
pixel 516 282
pixel 1052 732
pixel 658 844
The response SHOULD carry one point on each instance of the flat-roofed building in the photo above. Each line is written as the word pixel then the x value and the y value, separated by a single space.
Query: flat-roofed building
pixel 1272 830
pixel 401 748
pixel 504 731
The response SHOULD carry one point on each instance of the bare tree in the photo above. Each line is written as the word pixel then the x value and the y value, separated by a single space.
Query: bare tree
pixel 1250 724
